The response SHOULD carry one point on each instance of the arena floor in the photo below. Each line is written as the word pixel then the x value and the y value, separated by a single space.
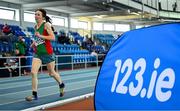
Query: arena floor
pixel 14 90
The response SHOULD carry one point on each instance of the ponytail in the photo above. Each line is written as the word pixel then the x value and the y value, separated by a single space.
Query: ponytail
pixel 48 19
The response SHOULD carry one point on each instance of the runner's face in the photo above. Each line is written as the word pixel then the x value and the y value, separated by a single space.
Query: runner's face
pixel 38 16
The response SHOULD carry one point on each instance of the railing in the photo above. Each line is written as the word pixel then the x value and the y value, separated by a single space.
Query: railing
pixel 63 62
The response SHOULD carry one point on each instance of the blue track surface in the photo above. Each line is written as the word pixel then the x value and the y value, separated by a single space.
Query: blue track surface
pixel 14 90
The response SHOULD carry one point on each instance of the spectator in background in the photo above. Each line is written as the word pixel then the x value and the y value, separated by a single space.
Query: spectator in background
pixel 80 44
pixel 84 43
pixel 63 39
pixel 21 52
pixel 89 41
pixel 21 46
pixel 103 48
pixel 12 67
pixel 174 6
pixel 28 34
pixel 6 38
pixel 85 38
pixel 6 29
pixel 9 65
pixel 93 53
pixel 1 33
pixel 67 39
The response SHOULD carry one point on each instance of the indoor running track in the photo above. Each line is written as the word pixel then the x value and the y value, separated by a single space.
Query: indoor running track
pixel 14 90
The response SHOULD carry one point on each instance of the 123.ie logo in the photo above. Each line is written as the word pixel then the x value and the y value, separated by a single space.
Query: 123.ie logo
pixel 156 84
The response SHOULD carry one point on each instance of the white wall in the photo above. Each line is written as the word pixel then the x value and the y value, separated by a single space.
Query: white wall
pixel 10 22
pixel 170 3
pixel 106 32
pixel 154 3
pixel 178 5
pixel 167 4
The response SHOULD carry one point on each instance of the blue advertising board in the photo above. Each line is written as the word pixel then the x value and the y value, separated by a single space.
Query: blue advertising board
pixel 141 71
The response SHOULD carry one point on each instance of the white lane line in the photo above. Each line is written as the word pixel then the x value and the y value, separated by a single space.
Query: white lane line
pixel 58 103
pixel 26 91
pixel 77 88
pixel 63 73
pixel 46 77
pixel 47 80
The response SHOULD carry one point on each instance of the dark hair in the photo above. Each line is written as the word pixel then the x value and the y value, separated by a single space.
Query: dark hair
pixel 47 18
pixel 52 28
